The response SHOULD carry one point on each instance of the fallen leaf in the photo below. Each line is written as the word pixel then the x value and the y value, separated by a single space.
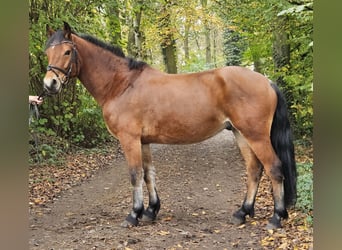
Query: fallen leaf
pixel 163 233
pixel 283 246
pixel 254 223
pixel 169 218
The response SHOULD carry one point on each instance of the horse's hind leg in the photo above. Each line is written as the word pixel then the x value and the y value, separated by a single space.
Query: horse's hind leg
pixel 254 172
pixel 263 149
pixel 152 210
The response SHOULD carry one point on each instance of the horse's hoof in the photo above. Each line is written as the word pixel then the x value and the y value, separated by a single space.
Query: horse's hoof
pixel 274 222
pixel 272 225
pixel 129 222
pixel 147 216
pixel 237 220
pixel 126 224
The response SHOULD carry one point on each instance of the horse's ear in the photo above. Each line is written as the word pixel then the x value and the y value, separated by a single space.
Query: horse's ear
pixel 49 31
pixel 67 31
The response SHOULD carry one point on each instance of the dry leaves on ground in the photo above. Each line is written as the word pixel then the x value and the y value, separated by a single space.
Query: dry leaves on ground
pixel 296 233
pixel 46 182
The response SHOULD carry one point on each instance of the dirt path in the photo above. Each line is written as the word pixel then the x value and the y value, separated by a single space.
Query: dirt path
pixel 200 186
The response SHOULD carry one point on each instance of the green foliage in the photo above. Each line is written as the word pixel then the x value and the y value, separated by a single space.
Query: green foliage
pixel 46 149
pixel 305 187
pixel 233 47
pixel 299 74
pixel 89 127
pixel 195 63
pixel 258 22
pixel 72 117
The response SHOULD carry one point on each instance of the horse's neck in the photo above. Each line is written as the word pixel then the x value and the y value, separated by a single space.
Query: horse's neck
pixel 102 73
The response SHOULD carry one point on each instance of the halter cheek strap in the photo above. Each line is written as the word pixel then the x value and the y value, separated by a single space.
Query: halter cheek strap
pixel 67 72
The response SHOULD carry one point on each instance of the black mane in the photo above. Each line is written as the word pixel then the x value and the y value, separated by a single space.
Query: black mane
pixel 132 63
pixel 114 49
pixel 58 37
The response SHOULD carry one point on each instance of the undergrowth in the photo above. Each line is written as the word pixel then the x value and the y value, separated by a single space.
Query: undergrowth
pixel 53 150
pixel 304 161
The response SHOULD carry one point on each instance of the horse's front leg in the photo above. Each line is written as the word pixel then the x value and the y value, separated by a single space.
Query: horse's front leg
pixel 132 149
pixel 151 212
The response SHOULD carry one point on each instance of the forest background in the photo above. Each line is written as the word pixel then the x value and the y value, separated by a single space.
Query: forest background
pixel 272 37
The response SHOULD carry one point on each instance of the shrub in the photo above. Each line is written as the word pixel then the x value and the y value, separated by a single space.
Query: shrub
pixel 305 187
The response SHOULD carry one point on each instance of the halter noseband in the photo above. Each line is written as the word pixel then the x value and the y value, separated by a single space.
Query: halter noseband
pixel 68 71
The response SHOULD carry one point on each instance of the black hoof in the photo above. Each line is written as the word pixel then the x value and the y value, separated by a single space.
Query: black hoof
pixel 148 216
pixel 271 225
pixel 238 218
pixel 274 222
pixel 130 222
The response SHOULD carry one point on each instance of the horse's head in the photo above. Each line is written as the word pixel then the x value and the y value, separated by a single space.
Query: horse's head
pixel 62 59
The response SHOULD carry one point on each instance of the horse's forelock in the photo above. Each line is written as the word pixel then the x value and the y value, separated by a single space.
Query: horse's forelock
pixel 56 38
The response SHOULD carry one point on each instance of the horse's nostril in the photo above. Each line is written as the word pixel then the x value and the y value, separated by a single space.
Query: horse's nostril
pixel 51 85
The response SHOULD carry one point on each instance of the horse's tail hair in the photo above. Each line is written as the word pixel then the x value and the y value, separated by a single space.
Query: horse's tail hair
pixel 282 142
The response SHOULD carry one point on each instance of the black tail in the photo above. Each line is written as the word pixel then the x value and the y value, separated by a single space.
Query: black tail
pixel 281 138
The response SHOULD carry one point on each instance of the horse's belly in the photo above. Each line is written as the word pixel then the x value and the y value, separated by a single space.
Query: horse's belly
pixel 183 133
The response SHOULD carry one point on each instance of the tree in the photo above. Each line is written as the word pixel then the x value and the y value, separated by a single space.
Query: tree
pixel 112 13
pixel 72 114
pixel 206 34
pixel 233 47
pixel 135 35
pixel 278 37
pixel 168 42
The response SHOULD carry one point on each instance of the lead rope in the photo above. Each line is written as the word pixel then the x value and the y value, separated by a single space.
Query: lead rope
pixel 34 115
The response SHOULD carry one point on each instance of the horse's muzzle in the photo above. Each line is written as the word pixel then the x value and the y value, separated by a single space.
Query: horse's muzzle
pixel 52 85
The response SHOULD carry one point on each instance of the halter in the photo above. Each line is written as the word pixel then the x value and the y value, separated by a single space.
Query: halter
pixel 68 71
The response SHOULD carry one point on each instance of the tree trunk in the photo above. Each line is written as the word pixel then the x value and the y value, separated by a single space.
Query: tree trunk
pixel 281 58
pixel 186 42
pixel 207 46
pixel 215 48
pixel 135 36
pixel 168 43
pixel 169 55
pixel 281 50
pixel 207 35
pixel 114 23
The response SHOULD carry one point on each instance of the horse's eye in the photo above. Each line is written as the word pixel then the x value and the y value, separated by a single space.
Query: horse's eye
pixel 68 52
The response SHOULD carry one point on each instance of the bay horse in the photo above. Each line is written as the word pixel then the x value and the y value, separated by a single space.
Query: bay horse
pixel 142 105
